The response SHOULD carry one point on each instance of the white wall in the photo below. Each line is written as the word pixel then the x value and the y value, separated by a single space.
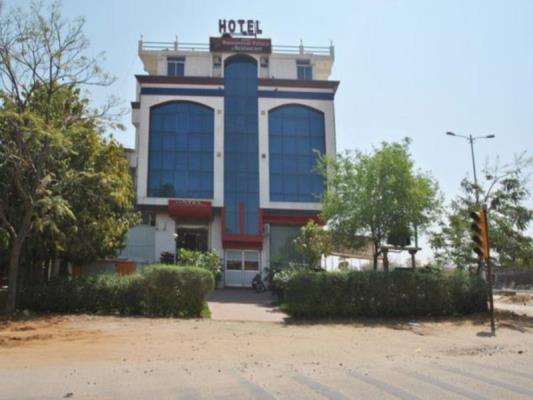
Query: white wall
pixel 281 66
pixel 140 244
pixel 164 235
pixel 215 236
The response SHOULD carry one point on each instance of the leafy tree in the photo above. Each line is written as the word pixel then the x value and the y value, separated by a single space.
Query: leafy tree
pixel 372 196
pixel 62 184
pixel 504 190
pixel 312 243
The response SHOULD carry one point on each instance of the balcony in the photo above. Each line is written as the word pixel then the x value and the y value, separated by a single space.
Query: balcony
pixel 176 46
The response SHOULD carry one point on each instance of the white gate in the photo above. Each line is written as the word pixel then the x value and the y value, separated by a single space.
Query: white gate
pixel 241 266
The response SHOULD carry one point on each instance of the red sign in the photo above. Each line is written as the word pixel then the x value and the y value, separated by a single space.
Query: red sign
pixel 190 209
pixel 240 45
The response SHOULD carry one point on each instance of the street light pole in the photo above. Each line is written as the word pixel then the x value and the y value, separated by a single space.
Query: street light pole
pixel 471 139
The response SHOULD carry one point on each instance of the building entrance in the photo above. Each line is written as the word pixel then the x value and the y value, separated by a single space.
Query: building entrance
pixel 241 266
pixel 192 238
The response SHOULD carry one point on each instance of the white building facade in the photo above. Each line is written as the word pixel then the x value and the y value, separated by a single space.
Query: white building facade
pixel 227 138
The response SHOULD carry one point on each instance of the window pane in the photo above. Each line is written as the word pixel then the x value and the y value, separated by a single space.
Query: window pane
pixel 172 132
pixel 292 172
pixel 251 266
pixel 233 265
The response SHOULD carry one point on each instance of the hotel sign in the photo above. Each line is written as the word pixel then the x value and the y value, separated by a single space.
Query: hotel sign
pixel 243 27
pixel 240 45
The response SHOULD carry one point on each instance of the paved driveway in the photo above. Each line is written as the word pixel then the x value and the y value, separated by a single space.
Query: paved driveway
pixel 243 305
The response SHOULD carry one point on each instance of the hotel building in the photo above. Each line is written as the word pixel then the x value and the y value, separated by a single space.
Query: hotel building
pixel 227 138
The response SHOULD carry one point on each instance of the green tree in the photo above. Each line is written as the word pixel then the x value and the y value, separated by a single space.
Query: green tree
pixel 372 196
pixel 62 183
pixel 504 189
pixel 312 243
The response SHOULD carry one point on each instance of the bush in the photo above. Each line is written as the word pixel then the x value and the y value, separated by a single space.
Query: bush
pixel 161 290
pixel 178 291
pixel 379 294
pixel 208 260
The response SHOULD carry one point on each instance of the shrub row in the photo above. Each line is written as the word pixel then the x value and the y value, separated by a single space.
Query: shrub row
pixel 379 294
pixel 160 290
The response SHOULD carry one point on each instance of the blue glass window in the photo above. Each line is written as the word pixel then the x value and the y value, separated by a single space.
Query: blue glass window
pixel 296 135
pixel 176 66
pixel 241 152
pixel 304 70
pixel 181 151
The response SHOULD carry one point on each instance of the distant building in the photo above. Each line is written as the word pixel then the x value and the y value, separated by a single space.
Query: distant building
pixel 227 137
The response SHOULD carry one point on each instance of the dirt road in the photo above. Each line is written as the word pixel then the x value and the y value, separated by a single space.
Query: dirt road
pixel 86 357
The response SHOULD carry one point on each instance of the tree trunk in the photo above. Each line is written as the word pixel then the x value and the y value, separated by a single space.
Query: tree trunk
pixel 385 260
pixel 14 259
pixel 63 268
pixel 375 256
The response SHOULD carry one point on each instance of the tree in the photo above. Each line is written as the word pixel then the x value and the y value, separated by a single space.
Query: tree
pixel 372 196
pixel 504 189
pixel 312 243
pixel 41 64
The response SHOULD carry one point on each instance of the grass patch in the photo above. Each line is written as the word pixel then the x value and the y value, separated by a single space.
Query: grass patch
pixel 206 312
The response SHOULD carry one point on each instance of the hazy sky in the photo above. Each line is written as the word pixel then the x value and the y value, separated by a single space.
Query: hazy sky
pixel 406 68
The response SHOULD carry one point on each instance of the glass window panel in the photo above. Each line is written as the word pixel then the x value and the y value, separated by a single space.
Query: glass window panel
pixel 276 183
pixel 180 183
pixel 303 131
pixel 241 141
pixel 195 181
pixel 173 136
pixel 181 162
pixel 234 265
pixel 289 164
pixel 317 143
pixel 195 143
pixel 276 144
pixel 276 164
pixel 207 162
pixel 155 160
pixel 168 161
pixel 251 256
pixel 231 223
pixel 156 142
pixel 182 123
pixel 206 181
pixel 251 265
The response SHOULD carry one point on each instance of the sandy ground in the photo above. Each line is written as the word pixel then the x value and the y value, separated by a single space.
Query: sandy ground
pixel 94 357
pixel 520 303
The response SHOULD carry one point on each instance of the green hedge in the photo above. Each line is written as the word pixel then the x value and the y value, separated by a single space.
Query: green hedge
pixel 379 294
pixel 174 290
pixel 160 290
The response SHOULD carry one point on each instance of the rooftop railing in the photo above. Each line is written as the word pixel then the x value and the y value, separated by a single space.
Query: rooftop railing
pixel 204 47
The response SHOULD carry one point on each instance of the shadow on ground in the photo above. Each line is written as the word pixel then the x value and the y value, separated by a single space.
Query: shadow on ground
pixel 504 320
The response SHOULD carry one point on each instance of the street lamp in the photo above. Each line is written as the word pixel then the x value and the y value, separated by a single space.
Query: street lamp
pixel 471 139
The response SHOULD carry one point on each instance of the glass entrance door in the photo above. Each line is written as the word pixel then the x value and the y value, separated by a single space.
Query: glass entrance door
pixel 241 267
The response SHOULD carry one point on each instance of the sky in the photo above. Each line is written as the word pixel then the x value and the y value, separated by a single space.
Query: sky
pixel 406 68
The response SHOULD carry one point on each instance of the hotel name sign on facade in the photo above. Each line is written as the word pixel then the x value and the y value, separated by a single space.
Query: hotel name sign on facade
pixel 247 43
